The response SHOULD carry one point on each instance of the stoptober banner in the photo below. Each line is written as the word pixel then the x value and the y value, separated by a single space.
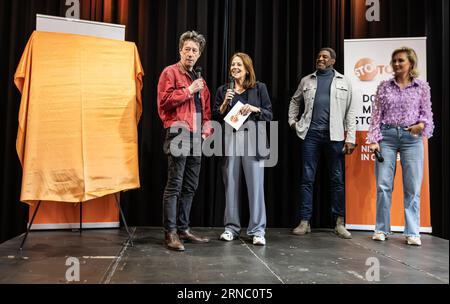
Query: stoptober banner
pixel 367 62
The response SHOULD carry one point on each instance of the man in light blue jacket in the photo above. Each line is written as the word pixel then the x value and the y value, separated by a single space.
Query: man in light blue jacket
pixel 326 96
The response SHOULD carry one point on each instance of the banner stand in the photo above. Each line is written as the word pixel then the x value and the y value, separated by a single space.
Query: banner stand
pixel 116 195
pixel 64 219
pixel 366 64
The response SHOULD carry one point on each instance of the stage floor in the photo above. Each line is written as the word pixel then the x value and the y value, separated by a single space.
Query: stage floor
pixel 319 257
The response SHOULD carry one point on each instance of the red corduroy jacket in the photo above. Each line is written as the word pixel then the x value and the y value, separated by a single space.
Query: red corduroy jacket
pixel 176 105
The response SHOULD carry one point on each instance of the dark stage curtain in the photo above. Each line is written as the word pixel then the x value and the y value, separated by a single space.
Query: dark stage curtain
pixel 283 38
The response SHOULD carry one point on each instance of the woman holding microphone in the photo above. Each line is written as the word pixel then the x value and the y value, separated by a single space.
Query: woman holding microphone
pixel 401 116
pixel 254 96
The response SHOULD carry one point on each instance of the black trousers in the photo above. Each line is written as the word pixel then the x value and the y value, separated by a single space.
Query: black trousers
pixel 182 182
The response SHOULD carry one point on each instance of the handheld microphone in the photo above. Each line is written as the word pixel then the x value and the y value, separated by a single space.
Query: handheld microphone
pixel 198 72
pixel 378 155
pixel 231 84
pixel 344 149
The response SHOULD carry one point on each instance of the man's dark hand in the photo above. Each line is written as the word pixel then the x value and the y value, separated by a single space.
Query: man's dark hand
pixel 349 148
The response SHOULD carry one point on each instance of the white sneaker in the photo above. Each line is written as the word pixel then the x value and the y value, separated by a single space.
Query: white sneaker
pixel 413 240
pixel 379 236
pixel 259 240
pixel 227 236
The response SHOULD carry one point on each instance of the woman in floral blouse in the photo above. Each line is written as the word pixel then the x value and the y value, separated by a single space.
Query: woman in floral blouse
pixel 401 116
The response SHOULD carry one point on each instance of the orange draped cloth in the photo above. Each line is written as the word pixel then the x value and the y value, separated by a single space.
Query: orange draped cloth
pixel 81 103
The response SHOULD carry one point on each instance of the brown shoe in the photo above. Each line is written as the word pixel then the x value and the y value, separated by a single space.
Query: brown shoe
pixel 172 242
pixel 189 237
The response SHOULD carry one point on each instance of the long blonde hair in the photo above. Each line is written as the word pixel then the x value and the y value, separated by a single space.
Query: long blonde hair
pixel 412 57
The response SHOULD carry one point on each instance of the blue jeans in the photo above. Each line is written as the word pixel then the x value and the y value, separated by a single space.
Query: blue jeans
pixel 315 142
pixel 411 159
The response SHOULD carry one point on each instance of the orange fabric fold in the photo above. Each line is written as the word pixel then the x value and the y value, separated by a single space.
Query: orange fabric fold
pixel 81 103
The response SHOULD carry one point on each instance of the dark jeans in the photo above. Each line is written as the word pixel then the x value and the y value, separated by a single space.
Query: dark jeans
pixel 315 142
pixel 182 181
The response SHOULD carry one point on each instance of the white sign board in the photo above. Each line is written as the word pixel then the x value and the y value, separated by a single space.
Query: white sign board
pixel 54 24
pixel 367 63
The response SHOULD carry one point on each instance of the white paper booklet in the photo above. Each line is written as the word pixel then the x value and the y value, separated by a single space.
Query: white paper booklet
pixel 234 118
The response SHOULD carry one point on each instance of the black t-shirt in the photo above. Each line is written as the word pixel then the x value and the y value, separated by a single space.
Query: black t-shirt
pixel 197 100
pixel 239 97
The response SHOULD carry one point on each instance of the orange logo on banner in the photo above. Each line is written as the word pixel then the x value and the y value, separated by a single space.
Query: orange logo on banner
pixel 366 69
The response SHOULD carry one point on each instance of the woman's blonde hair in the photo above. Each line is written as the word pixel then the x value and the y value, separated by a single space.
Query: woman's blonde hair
pixel 412 57
pixel 250 77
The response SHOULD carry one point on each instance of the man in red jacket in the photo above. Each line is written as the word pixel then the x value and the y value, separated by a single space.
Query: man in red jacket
pixel 184 108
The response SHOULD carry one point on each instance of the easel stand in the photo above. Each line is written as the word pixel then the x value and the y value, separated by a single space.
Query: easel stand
pixel 116 195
